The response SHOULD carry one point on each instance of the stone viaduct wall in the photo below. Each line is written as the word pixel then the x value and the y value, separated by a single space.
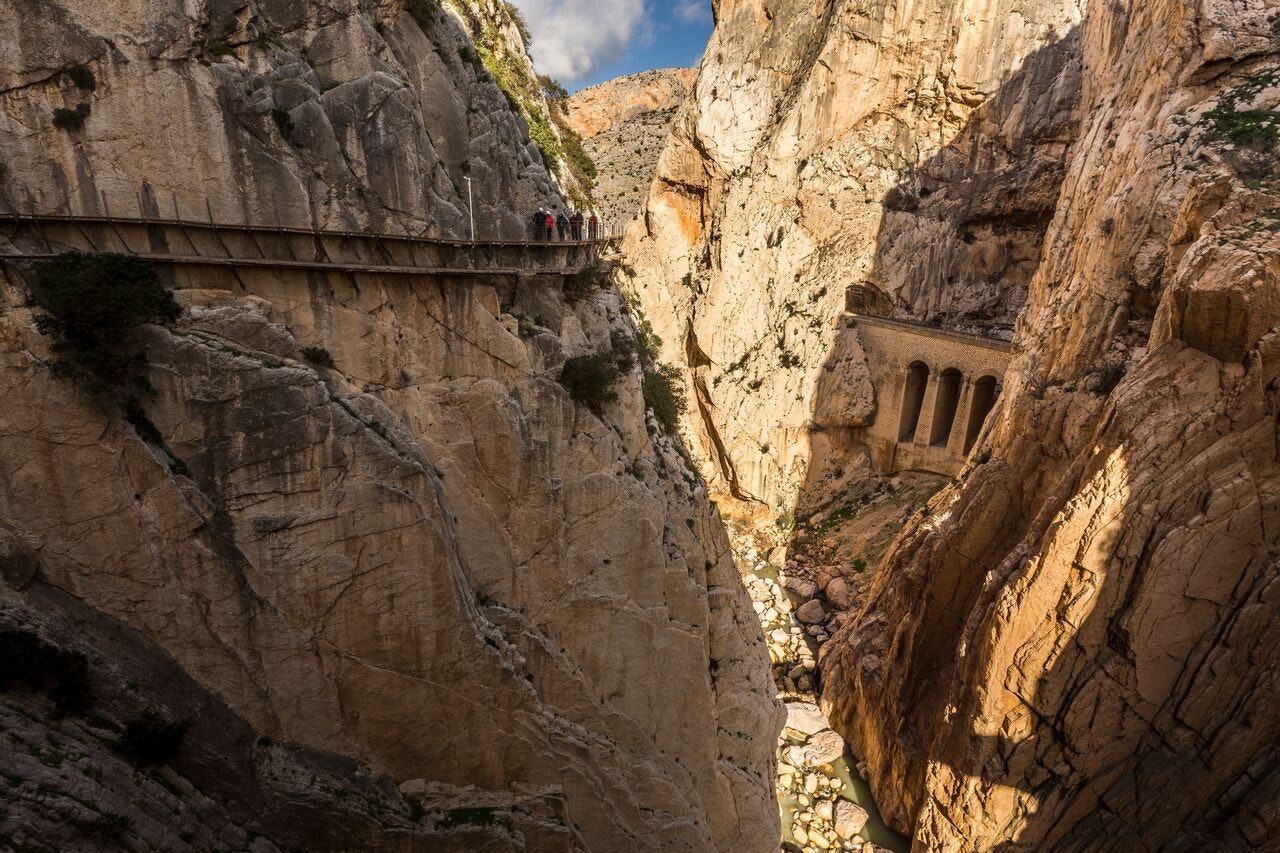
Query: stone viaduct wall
pixel 935 389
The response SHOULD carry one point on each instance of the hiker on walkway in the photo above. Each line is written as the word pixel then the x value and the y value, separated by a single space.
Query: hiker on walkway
pixel 549 223
pixel 562 224
pixel 575 225
pixel 539 223
pixel 593 227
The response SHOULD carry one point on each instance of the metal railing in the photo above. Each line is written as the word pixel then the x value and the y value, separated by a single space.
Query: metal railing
pixel 28 236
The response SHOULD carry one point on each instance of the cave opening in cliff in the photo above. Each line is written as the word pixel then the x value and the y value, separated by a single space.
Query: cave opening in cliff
pixel 944 410
pixel 913 400
pixel 985 392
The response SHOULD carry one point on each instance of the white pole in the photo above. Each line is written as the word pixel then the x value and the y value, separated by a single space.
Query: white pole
pixel 471 210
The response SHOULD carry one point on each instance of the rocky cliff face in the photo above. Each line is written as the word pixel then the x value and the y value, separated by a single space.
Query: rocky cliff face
pixel 1070 648
pixel 344 115
pixel 1073 648
pixel 423 567
pixel 913 152
pixel 624 125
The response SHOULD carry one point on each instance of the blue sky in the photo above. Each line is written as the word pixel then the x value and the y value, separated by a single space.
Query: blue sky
pixel 584 42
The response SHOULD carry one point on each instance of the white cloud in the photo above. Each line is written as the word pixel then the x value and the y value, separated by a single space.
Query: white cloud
pixel 573 38
pixel 693 11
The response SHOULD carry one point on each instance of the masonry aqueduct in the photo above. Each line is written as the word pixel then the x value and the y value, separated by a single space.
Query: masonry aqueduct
pixel 935 390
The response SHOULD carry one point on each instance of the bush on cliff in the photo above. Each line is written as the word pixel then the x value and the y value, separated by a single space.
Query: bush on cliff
pixel 94 304
pixel 663 394
pixel 589 380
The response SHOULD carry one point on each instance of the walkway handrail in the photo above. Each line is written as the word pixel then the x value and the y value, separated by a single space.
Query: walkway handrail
pixel 452 242
pixel 917 326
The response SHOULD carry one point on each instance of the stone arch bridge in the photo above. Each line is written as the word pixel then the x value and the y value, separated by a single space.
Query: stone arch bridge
pixel 935 390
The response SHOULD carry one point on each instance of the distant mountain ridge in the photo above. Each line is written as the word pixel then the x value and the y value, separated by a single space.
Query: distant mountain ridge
pixel 624 123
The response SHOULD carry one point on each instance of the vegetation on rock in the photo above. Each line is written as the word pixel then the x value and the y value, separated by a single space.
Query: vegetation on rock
pixel 664 396
pixel 93 305
pixel 319 356
pixel 589 380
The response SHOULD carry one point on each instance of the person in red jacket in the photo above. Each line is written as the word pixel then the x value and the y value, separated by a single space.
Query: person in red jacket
pixel 550 222
pixel 593 227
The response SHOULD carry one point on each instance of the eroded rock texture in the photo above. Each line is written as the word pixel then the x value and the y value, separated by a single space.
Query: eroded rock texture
pixel 424 567
pixel 341 115
pixel 1075 648
pixel 624 125
pixel 914 151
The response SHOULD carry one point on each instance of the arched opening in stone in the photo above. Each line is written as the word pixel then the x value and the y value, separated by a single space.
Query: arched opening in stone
pixel 985 392
pixel 944 408
pixel 913 400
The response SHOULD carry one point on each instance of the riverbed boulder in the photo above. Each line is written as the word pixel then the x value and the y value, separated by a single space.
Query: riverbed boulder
pixel 811 612
pixel 850 818
pixel 823 748
pixel 805 717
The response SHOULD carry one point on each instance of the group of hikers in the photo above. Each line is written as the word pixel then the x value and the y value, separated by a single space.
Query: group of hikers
pixel 546 225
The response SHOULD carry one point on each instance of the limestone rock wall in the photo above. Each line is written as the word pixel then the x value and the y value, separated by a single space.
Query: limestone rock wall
pixel 354 114
pixel 427 560
pixel 624 125
pixel 1074 648
pixel 915 150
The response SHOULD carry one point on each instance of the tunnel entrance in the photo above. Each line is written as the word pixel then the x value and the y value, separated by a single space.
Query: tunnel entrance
pixel 985 392
pixel 944 410
pixel 913 400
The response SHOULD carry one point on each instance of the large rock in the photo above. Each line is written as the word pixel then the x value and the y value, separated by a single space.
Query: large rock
pixel 850 818
pixel 428 558
pixel 805 717
pixel 1075 647
pixel 352 114
pixel 823 748
pixel 811 612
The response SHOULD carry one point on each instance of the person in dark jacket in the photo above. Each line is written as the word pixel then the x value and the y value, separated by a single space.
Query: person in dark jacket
pixel 562 224
pixel 575 225
pixel 539 223
pixel 549 222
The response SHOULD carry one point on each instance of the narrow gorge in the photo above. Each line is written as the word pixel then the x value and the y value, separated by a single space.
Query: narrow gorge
pixel 900 471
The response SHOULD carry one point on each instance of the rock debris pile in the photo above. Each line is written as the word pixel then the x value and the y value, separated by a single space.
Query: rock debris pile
pixel 823 807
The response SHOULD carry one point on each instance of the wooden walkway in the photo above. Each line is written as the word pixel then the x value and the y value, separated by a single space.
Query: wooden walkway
pixel 26 237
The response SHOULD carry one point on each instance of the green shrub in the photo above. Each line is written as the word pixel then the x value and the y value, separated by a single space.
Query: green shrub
pixel 1247 128
pixel 665 396
pixel 221 48
pixel 517 17
pixel 151 740
pixel 62 675
pixel 82 77
pixel 589 380
pixel 94 304
pixel 69 120
pixel 552 89
pixel 474 816
pixel 319 356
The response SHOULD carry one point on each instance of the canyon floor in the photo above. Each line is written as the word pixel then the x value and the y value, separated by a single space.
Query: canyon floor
pixel 800 591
